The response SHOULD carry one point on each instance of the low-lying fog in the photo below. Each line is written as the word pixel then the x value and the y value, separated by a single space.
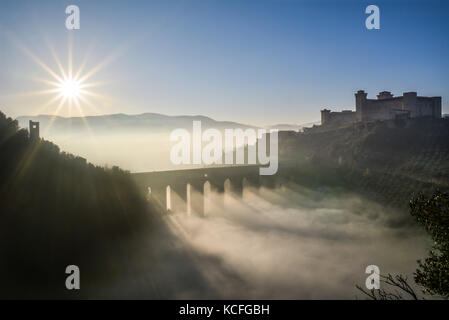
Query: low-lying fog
pixel 289 242
pixel 133 152
pixel 137 143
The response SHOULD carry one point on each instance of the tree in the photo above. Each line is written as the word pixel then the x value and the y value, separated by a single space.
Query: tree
pixel 433 214
pixel 432 273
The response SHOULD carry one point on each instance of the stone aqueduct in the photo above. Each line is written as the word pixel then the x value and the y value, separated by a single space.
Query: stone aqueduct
pixel 190 185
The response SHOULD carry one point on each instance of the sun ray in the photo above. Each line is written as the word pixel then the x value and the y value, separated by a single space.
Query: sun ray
pixel 55 57
pixel 70 59
pixel 86 124
pixel 70 110
pixel 35 93
pixel 25 50
pixel 46 81
pixel 50 102
pixel 45 67
pixel 90 104
pixel 83 64
pixel 53 117
pixel 95 95
pixel 92 84
pixel 111 58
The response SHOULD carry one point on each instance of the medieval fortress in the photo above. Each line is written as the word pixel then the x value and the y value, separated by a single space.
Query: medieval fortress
pixel 385 107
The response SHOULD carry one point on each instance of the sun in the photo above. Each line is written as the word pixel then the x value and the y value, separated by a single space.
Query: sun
pixel 70 88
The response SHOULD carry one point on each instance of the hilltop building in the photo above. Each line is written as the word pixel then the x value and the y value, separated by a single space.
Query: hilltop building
pixel 385 107
pixel 34 130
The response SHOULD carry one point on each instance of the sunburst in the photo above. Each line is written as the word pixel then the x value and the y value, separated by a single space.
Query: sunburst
pixel 67 87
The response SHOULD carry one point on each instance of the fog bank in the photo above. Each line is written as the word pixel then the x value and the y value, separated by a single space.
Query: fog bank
pixel 291 243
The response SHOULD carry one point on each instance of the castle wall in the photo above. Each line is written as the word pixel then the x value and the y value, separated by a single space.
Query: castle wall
pixel 342 117
pixel 345 116
pixel 437 107
pixel 380 109
pixel 428 107
pixel 410 103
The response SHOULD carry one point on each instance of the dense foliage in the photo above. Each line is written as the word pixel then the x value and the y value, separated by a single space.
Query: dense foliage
pixel 433 213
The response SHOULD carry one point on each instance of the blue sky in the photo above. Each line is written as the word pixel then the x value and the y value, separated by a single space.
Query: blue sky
pixel 259 62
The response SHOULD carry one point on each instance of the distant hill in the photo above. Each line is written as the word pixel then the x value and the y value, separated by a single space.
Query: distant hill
pixel 134 142
pixel 145 122
pixel 137 143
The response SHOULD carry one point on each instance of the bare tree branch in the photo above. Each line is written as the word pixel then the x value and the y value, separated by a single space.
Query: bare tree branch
pixel 400 286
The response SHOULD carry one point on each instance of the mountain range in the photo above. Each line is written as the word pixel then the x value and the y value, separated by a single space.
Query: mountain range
pixel 153 122
pixel 112 123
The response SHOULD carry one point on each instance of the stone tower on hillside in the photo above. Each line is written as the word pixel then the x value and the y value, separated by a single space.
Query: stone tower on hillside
pixel 34 130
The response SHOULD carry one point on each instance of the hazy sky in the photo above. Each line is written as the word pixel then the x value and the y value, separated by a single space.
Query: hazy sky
pixel 258 62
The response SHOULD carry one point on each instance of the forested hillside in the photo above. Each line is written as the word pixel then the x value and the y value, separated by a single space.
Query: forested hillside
pixel 388 161
pixel 56 209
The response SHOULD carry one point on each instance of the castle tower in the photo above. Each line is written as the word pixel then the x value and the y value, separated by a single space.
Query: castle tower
pixel 325 116
pixel 360 100
pixel 437 107
pixel 34 130
pixel 384 95
pixel 409 102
